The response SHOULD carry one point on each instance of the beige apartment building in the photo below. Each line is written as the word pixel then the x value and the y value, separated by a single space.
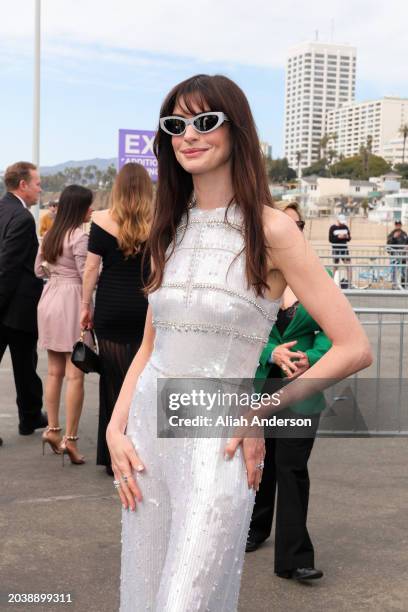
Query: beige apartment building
pixel 354 122
pixel 393 150
pixel 320 195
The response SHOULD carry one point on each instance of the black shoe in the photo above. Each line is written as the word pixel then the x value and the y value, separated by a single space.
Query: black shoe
pixel 252 544
pixel 301 573
pixel 40 423
pixel 109 470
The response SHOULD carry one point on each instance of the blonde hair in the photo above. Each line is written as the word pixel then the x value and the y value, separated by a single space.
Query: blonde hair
pixel 285 204
pixel 131 207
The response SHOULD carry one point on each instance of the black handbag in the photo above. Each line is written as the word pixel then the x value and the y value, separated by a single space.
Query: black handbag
pixel 84 357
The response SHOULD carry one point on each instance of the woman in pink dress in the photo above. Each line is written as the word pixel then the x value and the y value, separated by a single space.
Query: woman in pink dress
pixel 61 259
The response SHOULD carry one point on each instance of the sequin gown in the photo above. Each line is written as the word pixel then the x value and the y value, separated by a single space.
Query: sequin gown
pixel 183 548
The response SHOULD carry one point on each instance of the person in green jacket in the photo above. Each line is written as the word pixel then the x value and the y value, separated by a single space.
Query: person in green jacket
pixel 295 343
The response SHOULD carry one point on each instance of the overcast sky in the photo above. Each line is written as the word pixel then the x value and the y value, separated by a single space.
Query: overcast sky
pixel 107 65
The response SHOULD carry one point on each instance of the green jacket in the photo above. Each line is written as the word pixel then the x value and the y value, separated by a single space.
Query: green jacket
pixel 310 340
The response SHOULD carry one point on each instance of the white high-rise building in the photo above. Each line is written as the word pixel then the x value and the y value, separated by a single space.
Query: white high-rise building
pixel 319 77
pixel 393 151
pixel 266 148
pixel 379 119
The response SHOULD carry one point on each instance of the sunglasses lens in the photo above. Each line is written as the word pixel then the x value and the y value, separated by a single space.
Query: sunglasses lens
pixel 206 123
pixel 175 125
pixel 300 224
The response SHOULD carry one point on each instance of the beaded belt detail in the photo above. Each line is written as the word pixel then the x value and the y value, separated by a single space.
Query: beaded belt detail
pixel 208 328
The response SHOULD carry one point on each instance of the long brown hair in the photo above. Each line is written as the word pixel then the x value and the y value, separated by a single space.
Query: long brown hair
pixel 175 185
pixel 131 207
pixel 73 205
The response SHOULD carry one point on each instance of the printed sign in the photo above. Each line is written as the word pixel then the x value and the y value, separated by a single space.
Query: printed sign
pixel 136 146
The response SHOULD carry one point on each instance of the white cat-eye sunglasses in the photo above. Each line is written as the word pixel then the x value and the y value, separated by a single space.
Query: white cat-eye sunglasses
pixel 202 123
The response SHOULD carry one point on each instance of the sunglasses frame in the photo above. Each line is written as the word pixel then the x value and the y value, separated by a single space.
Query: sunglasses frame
pixel 221 118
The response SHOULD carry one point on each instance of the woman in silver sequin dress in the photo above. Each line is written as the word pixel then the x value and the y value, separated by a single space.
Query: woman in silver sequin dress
pixel 219 270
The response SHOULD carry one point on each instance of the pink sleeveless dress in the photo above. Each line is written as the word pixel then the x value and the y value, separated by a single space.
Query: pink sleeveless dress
pixel 60 303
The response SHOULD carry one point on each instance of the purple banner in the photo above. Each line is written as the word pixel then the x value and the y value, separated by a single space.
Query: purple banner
pixel 136 146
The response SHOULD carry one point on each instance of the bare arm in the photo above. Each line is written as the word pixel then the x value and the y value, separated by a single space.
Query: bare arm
pixel 40 266
pixel 90 277
pixel 350 352
pixel 292 255
pixel 92 264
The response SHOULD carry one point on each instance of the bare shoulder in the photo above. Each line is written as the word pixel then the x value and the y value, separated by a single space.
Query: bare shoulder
pixel 103 218
pixel 280 230
pixel 100 216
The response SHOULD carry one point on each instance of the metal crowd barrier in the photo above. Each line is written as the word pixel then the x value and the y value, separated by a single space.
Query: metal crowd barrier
pixel 373 402
pixel 359 250
pixel 382 272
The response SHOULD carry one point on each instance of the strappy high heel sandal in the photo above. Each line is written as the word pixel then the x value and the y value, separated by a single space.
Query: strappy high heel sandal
pixel 47 439
pixel 72 452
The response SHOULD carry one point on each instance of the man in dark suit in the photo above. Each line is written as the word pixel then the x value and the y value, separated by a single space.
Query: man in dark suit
pixel 20 290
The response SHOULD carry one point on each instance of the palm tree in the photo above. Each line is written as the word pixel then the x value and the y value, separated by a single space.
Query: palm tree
pixel 331 156
pixel 89 174
pixel 98 178
pixel 299 155
pixel 323 142
pixel 404 133
pixel 365 152
pixel 109 176
pixel 365 156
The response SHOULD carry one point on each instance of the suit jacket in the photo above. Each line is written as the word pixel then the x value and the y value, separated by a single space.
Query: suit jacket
pixel 310 340
pixel 20 289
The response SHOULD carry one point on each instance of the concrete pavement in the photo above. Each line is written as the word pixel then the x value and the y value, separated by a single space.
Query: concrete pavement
pixel 61 526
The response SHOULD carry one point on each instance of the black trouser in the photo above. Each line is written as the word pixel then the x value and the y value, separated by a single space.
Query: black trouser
pixel 285 468
pixel 23 350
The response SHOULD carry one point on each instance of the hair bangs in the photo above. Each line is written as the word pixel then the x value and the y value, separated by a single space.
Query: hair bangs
pixel 197 97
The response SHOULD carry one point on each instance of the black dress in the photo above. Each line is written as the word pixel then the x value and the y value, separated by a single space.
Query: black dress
pixel 119 320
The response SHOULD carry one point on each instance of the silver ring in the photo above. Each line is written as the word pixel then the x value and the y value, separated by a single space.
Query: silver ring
pixel 116 484
pixel 125 478
pixel 260 466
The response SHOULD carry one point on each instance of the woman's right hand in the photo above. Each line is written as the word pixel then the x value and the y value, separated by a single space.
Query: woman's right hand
pixel 283 356
pixel 124 461
pixel 86 318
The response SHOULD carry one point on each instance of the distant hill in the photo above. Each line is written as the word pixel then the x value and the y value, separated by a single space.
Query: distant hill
pixel 101 164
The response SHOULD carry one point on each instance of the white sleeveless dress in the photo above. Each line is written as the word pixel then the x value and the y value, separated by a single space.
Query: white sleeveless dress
pixel 183 548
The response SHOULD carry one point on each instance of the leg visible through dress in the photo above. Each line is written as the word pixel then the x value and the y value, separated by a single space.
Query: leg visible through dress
pixel 115 359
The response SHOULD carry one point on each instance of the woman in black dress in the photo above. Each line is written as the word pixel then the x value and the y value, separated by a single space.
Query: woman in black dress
pixel 117 239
